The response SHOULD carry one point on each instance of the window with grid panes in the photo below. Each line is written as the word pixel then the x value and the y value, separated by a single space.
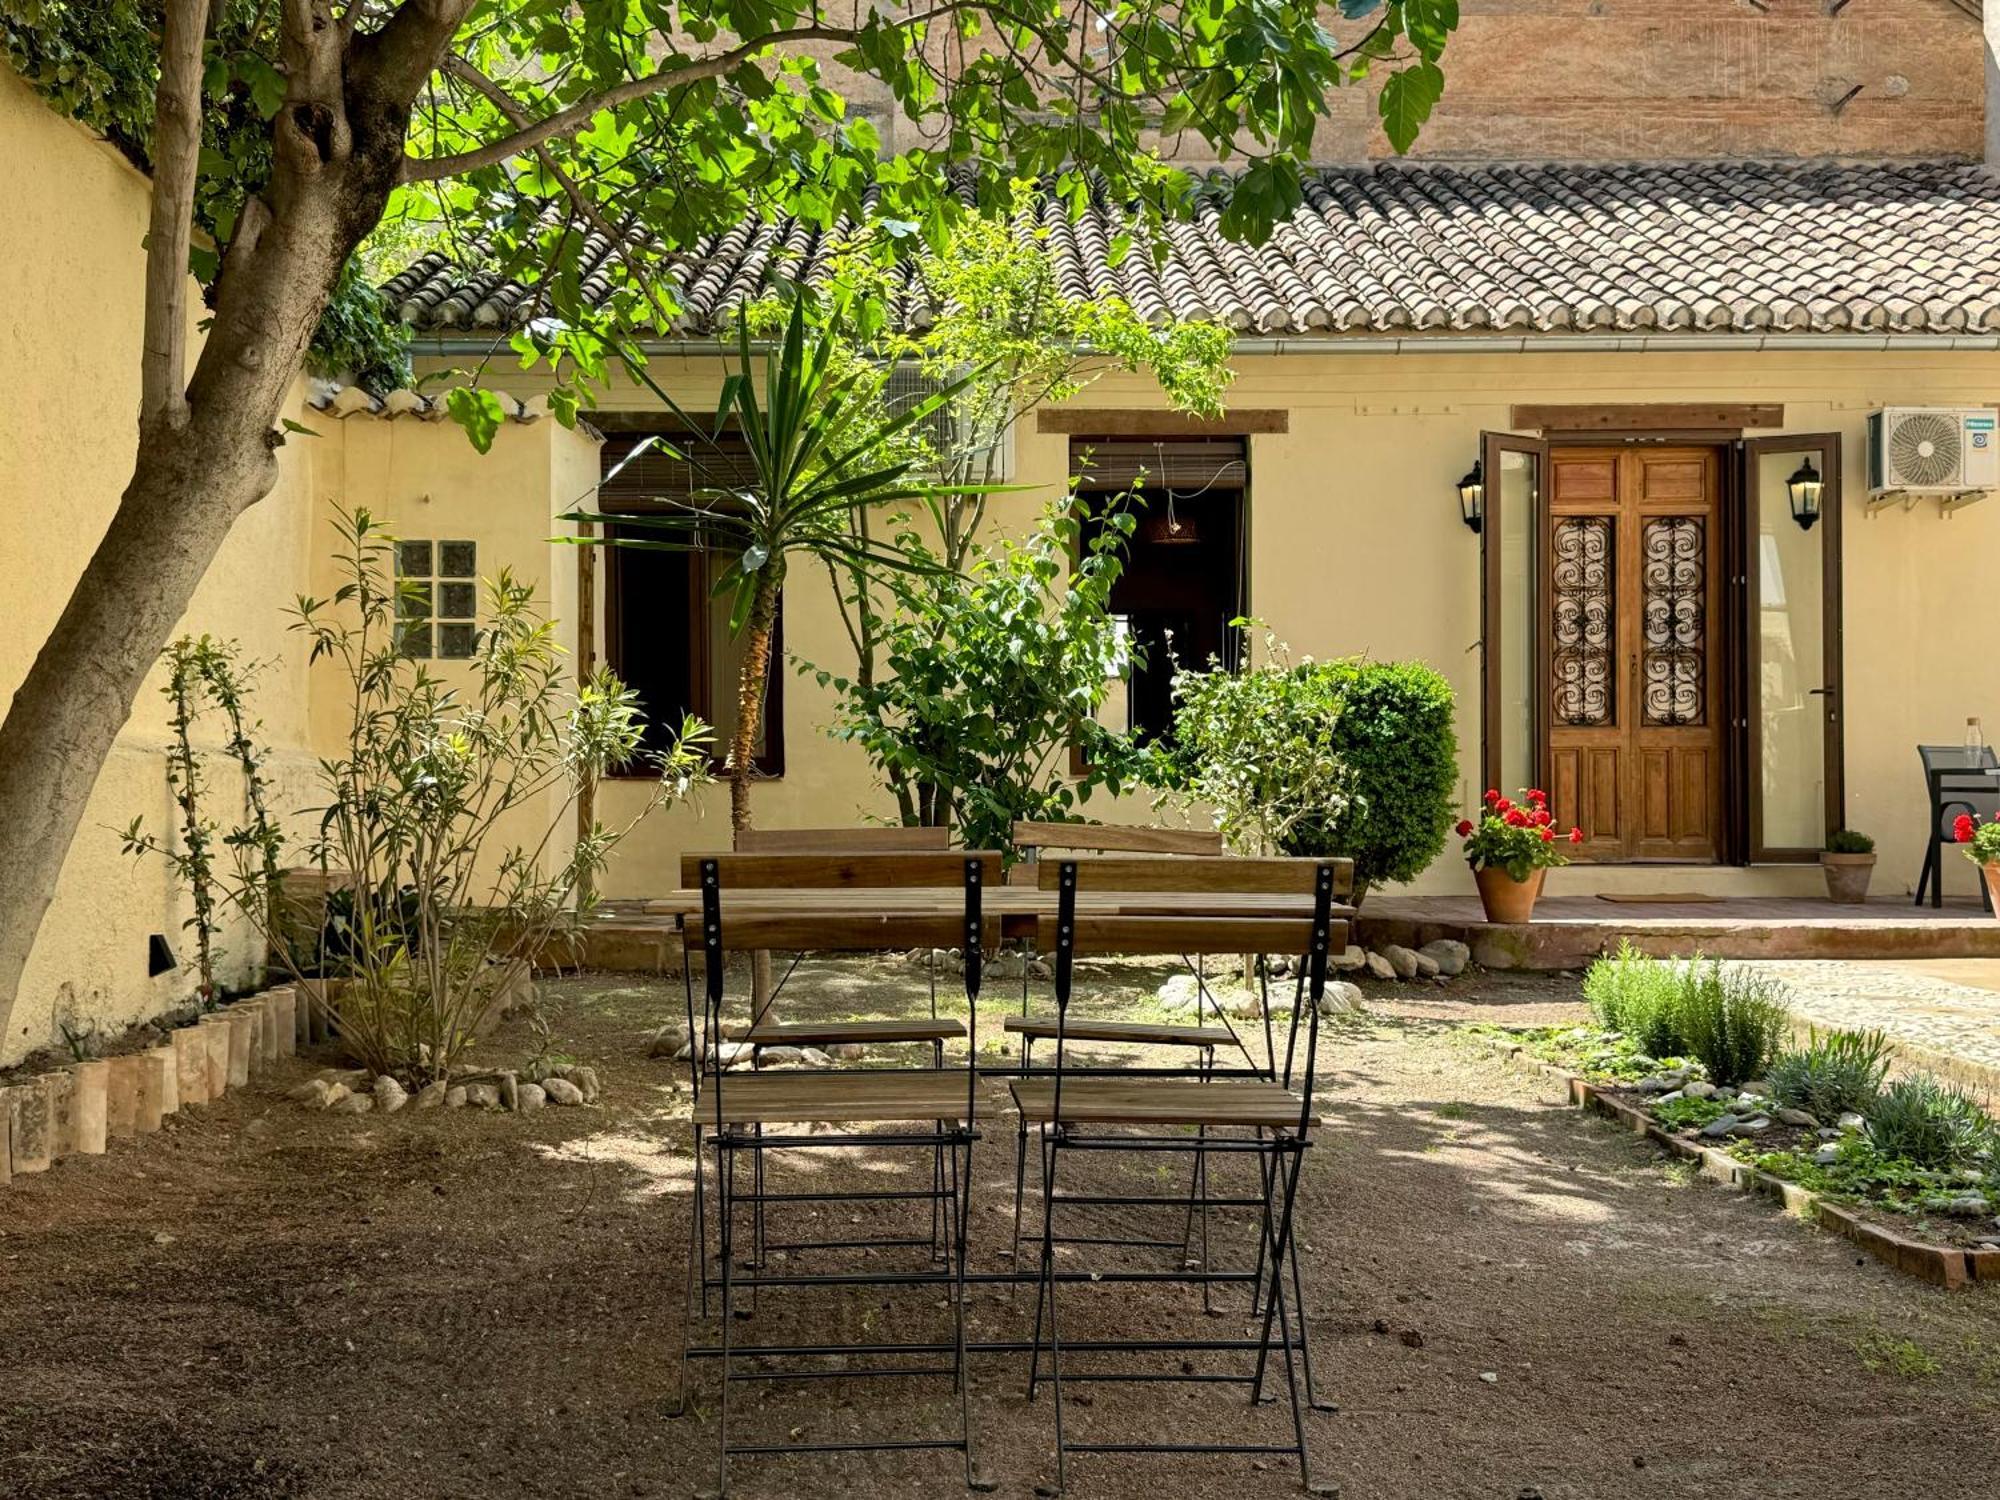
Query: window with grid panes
pixel 437 603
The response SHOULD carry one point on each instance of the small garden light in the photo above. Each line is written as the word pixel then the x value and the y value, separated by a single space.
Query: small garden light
pixel 1472 497
pixel 1806 489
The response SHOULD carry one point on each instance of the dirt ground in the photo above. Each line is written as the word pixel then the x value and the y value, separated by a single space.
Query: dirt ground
pixel 262 1301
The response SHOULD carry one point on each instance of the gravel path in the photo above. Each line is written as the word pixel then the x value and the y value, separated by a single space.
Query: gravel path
pixel 1939 1015
pixel 1508 1298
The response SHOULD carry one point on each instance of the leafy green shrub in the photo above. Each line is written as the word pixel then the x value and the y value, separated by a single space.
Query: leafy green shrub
pixel 1639 996
pixel 1395 737
pixel 1688 1114
pixel 1847 841
pixel 1733 1021
pixel 1933 1124
pixel 1354 759
pixel 1831 1075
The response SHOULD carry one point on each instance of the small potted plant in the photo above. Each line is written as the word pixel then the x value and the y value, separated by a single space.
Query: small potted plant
pixel 1511 847
pixel 1849 861
pixel 1982 841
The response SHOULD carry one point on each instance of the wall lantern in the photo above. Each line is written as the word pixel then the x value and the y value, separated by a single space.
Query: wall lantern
pixel 1472 497
pixel 1805 487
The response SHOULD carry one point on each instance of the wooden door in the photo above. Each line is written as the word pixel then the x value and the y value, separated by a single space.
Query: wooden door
pixel 1633 579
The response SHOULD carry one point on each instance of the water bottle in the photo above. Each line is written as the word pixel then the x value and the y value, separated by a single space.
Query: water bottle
pixel 1974 740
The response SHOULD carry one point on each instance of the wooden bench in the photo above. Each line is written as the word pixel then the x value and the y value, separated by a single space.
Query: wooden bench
pixel 1106 838
pixel 882 839
pixel 1160 1101
pixel 920 1096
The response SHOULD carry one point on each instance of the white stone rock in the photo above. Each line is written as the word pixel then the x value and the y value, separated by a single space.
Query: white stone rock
pixel 1450 956
pixel 1851 1122
pixel 431 1095
pixel 562 1091
pixel 776 1057
pixel 335 1094
pixel 1827 1155
pixel 1348 959
pixel 1180 992
pixel 390 1095
pixel 312 1092
pixel 814 1058
pixel 1401 960
pixel 668 1041
pixel 1342 996
pixel 530 1096
pixel 353 1104
pixel 482 1096
pixel 1699 1089
pixel 1799 1118
pixel 1380 967
pixel 1427 967
pixel 848 1051
pixel 454 1097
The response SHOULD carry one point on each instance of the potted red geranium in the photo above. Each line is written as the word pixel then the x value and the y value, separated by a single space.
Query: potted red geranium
pixel 1511 848
pixel 1982 841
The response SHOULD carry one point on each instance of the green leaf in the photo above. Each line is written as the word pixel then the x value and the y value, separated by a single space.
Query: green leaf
pixel 1408 96
pixel 478 411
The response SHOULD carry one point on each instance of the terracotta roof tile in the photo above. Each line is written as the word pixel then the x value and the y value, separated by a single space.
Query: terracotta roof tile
pixel 1726 247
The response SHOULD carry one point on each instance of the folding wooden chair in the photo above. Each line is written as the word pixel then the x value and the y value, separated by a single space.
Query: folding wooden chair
pixel 885 838
pixel 931 1110
pixel 1074 1114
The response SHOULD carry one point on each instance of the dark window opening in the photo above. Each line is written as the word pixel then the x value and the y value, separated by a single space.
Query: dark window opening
pixel 1183 580
pixel 666 631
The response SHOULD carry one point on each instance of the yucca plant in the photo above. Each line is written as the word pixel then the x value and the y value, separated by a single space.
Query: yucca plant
pixel 821 448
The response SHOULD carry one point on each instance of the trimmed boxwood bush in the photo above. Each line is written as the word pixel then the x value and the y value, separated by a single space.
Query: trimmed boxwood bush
pixel 1396 739
pixel 1351 758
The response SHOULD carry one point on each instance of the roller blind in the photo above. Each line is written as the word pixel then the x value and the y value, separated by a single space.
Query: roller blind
pixel 1187 464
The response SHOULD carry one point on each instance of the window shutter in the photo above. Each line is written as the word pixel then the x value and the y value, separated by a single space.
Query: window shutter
pixel 1189 465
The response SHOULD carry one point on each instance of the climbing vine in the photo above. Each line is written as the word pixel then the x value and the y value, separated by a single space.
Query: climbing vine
pixel 203 671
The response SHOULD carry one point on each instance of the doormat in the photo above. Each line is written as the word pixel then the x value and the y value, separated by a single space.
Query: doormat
pixel 1659 898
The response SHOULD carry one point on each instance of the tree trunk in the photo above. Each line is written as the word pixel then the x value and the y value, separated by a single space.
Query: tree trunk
pixel 79 692
pixel 750 691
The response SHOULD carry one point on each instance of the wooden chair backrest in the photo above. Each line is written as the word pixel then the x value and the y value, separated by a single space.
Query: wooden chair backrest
pixel 909 869
pixel 1112 838
pixel 1240 874
pixel 883 839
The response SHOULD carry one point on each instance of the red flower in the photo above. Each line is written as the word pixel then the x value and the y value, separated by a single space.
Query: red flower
pixel 1516 818
pixel 1503 805
pixel 1963 828
pixel 1492 796
pixel 1548 835
pixel 1537 796
pixel 1542 818
pixel 1464 827
pixel 1576 835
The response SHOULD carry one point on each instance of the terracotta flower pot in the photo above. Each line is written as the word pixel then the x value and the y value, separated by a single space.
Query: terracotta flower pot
pixel 1847 876
pixel 1992 874
pixel 1505 898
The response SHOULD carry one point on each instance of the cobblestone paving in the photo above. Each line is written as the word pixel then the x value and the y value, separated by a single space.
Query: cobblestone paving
pixel 1960 1020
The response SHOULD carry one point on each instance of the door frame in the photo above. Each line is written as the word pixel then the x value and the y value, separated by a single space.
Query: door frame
pixel 1738 507
pixel 1826 445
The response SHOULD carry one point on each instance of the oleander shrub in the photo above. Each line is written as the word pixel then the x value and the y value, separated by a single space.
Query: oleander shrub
pixel 1733 1021
pixel 1931 1123
pixel 1831 1075
pixel 1639 996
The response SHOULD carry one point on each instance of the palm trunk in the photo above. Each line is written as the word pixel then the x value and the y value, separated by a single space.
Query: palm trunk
pixel 743 746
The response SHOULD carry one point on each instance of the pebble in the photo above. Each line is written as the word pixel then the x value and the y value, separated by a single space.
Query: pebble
pixel 1746 1128
pixel 1040 970
pixel 390 1095
pixel 1427 967
pixel 1401 960
pixel 1699 1089
pixel 1851 1122
pixel 1351 958
pixel 530 1096
pixel 1491 1377
pixel 668 1041
pixel 1451 957
pixel 1799 1118
pixel 312 1091
pixel 1661 1083
pixel 814 1058
pixel 562 1091
pixel 431 1095
pixel 335 1095
pixel 454 1097
pixel 1967 1206
pixel 510 1090
pixel 1343 996
pixel 1671 1097
pixel 1180 992
pixel 353 1104
pixel 1720 1126
pixel 769 1057
pixel 481 1096
pixel 1380 967
pixel 1826 1156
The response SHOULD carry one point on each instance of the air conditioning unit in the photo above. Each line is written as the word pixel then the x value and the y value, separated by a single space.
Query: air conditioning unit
pixel 1945 451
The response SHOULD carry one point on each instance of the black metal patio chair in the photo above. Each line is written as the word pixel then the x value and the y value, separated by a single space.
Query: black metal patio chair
pixel 931 1112
pixel 1960 779
pixel 1266 1119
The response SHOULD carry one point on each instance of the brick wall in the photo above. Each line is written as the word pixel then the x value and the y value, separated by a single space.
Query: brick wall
pixel 1594 80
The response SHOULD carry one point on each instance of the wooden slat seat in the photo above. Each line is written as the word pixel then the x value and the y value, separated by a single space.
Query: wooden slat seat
pixel 1159 1101
pixel 832 1033
pixel 921 1096
pixel 1157 1033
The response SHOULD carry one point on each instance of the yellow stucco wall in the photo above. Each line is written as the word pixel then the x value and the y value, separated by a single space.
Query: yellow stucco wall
pixel 69 395
pixel 1357 546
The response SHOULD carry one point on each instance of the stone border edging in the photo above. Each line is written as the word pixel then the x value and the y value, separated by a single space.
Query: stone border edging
pixel 75 1110
pixel 1940 1265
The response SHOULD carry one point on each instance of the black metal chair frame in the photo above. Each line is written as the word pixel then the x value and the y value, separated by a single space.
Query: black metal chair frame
pixel 1280 1154
pixel 1969 781
pixel 951 1142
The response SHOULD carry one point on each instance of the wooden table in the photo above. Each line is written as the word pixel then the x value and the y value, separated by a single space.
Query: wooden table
pixel 861 918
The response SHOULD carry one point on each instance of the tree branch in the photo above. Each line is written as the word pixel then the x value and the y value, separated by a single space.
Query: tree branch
pixel 175 152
